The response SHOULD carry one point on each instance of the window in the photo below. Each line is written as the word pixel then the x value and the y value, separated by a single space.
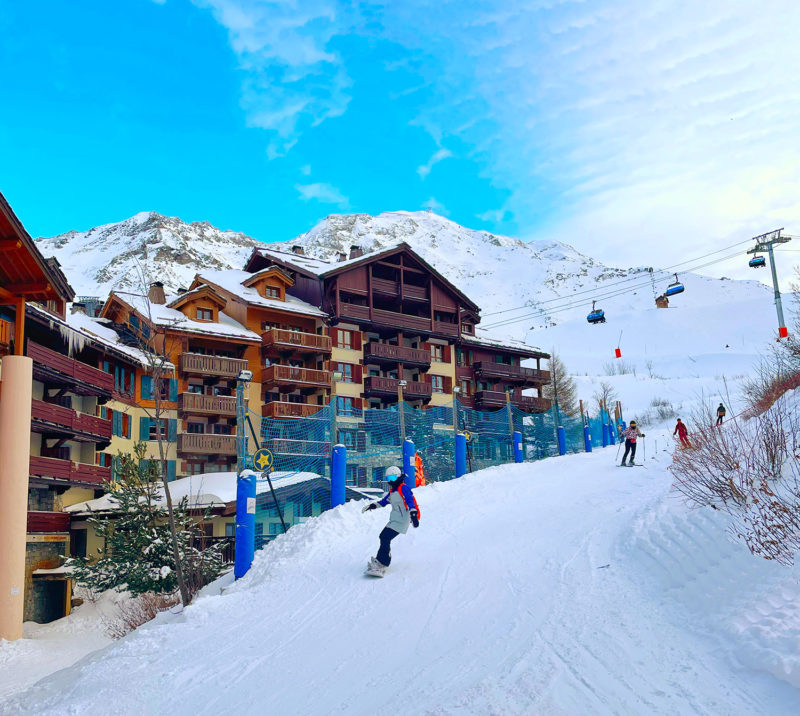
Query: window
pixel 437 352
pixel 344 406
pixel 378 474
pixel 345 339
pixel 272 292
pixel 195 388
pixel 204 314
pixel 269 325
pixel 352 475
pixel 467 328
pixel 466 387
pixel 220 429
pixel 462 358
pixel 437 384
pixel 275 528
pixel 347 438
pixel 347 372
pixel 153 434
pixel 230 529
pixel 133 321
pixel 195 467
pixel 260 534
pixel 195 428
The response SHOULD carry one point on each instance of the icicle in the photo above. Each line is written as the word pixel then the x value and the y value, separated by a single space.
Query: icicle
pixel 75 340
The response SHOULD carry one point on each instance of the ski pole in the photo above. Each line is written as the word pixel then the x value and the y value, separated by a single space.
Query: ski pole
pixel 644 450
pixel 618 447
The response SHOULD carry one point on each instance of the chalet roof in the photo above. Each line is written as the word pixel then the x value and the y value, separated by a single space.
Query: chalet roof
pixel 326 269
pixel 24 272
pixel 277 271
pixel 202 290
pixel 162 315
pixel 232 281
pixel 482 338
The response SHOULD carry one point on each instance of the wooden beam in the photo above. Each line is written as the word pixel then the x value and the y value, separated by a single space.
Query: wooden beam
pixel 26 288
pixel 6 294
pixel 19 329
pixel 10 244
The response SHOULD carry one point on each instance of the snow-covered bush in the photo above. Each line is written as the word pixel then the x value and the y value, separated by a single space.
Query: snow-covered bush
pixel 619 367
pixel 134 612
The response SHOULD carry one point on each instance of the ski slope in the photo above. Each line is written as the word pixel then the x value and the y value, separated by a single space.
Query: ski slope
pixel 561 587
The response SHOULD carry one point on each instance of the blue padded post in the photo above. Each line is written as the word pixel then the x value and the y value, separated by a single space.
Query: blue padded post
pixel 409 468
pixel 587 439
pixel 461 455
pixel 562 441
pixel 338 475
pixel 245 523
pixel 518 457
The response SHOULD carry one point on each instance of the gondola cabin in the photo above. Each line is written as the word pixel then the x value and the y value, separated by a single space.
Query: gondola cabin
pixel 757 262
pixel 597 315
pixel 674 288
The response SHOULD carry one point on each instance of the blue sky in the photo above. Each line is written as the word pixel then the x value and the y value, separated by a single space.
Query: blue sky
pixel 637 134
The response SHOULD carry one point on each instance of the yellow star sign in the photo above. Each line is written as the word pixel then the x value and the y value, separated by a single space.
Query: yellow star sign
pixel 263 459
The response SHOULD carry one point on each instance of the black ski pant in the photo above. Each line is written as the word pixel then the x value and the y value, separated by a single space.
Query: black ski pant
pixel 719 419
pixel 630 446
pixel 384 555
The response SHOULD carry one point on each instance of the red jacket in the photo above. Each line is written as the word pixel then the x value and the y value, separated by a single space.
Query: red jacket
pixel 680 428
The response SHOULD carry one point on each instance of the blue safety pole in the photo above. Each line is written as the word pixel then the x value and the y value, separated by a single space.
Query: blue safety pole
pixel 461 455
pixel 605 427
pixel 245 522
pixel 587 439
pixel 518 456
pixel 409 468
pixel 338 475
pixel 562 441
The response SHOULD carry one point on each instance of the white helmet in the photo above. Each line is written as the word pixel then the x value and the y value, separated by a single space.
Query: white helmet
pixel 392 473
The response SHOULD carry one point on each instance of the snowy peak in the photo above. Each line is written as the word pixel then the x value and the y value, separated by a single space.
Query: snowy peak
pixel 146 247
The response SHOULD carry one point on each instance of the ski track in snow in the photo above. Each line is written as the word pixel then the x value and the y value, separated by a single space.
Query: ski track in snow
pixel 499 604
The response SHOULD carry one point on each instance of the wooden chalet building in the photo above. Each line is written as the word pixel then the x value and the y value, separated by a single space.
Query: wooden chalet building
pixel 393 318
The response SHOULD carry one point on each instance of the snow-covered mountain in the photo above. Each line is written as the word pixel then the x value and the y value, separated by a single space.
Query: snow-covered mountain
pixel 147 247
pixel 544 282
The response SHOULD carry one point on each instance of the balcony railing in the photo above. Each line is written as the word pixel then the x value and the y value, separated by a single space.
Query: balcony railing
pixel 401 320
pixel 49 417
pixel 490 369
pixel 282 340
pixel 287 376
pixel 388 386
pixel 416 292
pixel 200 364
pixel 485 399
pixel 386 353
pixel 386 286
pixel 48 522
pixel 532 404
pixel 207 404
pixel 449 329
pixel 70 472
pixel 205 444
pixel 284 409
pixel 351 310
pixel 53 367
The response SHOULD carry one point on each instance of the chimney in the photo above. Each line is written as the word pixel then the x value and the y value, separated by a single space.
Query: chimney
pixel 342 256
pixel 182 290
pixel 156 293
pixel 78 308
pixel 356 251
pixel 298 250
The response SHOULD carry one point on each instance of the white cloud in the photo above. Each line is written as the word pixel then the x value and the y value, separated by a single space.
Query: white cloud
pixel 425 169
pixel 323 193
pixel 494 216
pixel 305 170
pixel 436 207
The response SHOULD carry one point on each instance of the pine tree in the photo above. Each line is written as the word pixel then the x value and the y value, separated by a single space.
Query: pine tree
pixel 561 385
pixel 137 553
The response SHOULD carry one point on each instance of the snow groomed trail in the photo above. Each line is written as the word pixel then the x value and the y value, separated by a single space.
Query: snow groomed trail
pixel 560 587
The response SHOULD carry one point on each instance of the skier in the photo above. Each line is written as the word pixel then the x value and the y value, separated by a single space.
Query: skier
pixel 682 432
pixel 720 414
pixel 630 442
pixel 405 511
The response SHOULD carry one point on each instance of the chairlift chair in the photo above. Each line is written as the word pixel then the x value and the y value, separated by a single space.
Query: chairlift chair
pixel 597 315
pixel 757 262
pixel 674 288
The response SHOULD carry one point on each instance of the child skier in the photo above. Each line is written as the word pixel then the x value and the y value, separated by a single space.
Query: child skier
pixel 630 441
pixel 682 433
pixel 405 511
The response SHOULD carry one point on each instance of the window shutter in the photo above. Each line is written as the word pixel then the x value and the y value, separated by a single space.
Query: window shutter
pixel 132 382
pixel 147 387
pixel 106 367
pixel 116 427
pixel 362 476
pixel 171 470
pixel 144 429
pixel 357 373
pixel 361 441
pixel 448 384
pixel 173 390
pixel 116 377
pixel 446 354
pixel 425 378
pixel 356 340
pixel 104 412
pixel 426 346
pixel 173 430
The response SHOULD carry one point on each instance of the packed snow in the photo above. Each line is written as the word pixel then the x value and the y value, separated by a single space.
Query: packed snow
pixel 564 586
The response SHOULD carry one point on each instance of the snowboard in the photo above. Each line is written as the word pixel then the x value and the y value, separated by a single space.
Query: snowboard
pixel 374 572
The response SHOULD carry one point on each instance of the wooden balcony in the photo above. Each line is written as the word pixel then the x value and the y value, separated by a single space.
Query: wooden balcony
pixel 351 310
pixel 385 286
pixel 515 373
pixel 6 334
pixel 532 404
pixel 69 472
pixel 418 293
pixel 196 404
pixel 48 521
pixel 449 329
pixel 52 367
pixel 206 444
pixel 277 340
pixel 287 378
pixel 219 366
pixel 283 409
pixel 374 385
pixel 386 353
pixel 493 399
pixel 55 419
pixel 401 320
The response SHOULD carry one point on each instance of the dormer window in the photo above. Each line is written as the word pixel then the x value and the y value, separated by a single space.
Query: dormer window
pixel 204 314
pixel 272 292
pixel 467 328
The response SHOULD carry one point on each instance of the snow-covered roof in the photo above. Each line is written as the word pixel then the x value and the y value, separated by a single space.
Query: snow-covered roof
pixel 204 491
pixel 231 280
pixel 321 267
pixel 163 315
pixel 483 338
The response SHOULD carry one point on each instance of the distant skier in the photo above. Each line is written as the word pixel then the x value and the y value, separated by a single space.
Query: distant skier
pixel 405 511
pixel 682 433
pixel 630 436
pixel 720 414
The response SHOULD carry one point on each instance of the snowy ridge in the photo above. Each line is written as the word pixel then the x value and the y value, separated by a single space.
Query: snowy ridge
pixel 628 603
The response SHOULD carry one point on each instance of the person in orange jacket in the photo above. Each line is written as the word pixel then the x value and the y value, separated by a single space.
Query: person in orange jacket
pixel 419 471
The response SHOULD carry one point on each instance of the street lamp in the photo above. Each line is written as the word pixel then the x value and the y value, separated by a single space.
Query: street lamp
pixel 400 385
pixel 243 379
pixel 335 377
pixel 456 391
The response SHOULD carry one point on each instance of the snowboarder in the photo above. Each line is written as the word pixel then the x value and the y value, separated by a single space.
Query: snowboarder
pixel 405 511
pixel 630 436
pixel 682 433
pixel 720 414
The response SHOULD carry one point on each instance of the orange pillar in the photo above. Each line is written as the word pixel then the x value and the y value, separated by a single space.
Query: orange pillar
pixel 19 329
pixel 15 441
